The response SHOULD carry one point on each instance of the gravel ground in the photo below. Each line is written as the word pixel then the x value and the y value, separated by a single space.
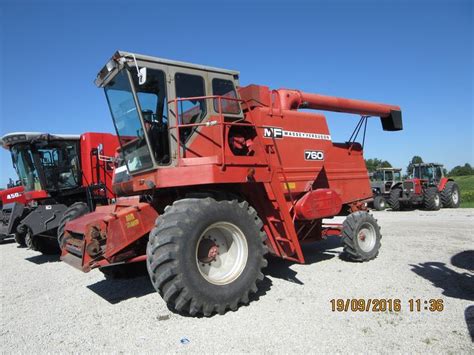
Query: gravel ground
pixel 47 306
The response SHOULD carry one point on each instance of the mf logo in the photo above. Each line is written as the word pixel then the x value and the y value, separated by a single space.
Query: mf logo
pixel 272 132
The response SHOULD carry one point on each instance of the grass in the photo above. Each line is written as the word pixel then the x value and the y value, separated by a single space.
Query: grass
pixel 466 186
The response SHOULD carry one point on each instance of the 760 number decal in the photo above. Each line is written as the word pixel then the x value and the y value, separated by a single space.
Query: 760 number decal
pixel 313 155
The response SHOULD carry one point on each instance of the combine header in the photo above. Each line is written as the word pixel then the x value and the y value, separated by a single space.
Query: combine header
pixel 57 172
pixel 219 176
pixel 13 195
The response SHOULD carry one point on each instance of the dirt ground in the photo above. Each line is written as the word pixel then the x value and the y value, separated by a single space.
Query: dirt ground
pixel 47 306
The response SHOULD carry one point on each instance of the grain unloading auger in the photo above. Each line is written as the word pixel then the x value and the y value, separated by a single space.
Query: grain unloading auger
pixel 219 176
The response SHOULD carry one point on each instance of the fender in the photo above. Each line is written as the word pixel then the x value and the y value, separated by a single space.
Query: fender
pixel 443 183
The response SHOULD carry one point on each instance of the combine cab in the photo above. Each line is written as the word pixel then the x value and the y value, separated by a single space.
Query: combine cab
pixel 57 172
pixel 219 176
pixel 427 187
pixel 382 181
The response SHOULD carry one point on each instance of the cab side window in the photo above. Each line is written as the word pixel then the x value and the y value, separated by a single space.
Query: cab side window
pixel 191 111
pixel 225 88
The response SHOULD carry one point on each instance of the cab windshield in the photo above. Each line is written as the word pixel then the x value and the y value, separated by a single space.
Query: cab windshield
pixel 47 166
pixel 152 102
pixel 423 172
pixel 377 176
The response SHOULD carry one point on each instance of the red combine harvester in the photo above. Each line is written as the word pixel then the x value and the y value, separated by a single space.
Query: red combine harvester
pixel 63 176
pixel 219 176
pixel 8 198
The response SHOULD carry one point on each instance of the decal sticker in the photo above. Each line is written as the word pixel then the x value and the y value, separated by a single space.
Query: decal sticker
pixel 289 185
pixel 313 155
pixel 279 133
pixel 13 195
pixel 131 220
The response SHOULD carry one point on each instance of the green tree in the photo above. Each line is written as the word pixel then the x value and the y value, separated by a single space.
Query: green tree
pixel 462 170
pixel 415 160
pixel 373 164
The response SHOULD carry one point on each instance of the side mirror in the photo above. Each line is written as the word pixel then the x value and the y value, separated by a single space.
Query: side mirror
pixel 100 148
pixel 142 76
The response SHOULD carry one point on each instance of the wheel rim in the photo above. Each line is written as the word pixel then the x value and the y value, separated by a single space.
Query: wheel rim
pixel 455 196
pixel 28 240
pixel 366 237
pixel 221 253
pixel 436 200
pixel 382 204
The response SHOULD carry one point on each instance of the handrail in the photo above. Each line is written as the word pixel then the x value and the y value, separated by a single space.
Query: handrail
pixel 220 121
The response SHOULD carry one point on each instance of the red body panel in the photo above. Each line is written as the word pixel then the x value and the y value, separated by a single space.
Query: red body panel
pixel 443 183
pixel 90 173
pixel 318 204
pixel 125 222
pixel 13 194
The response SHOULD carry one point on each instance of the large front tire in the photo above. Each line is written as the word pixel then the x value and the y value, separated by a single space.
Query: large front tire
pixel 380 203
pixel 431 199
pixel 394 199
pixel 361 236
pixel 206 256
pixel 450 196
pixel 20 239
pixel 74 211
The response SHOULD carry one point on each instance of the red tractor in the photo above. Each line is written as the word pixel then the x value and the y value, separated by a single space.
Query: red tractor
pixel 427 187
pixel 219 176
pixel 63 176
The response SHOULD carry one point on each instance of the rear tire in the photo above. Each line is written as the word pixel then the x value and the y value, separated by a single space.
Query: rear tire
pixel 379 203
pixel 205 256
pixel 450 196
pixel 42 244
pixel 431 199
pixel 74 211
pixel 361 236
pixel 20 239
pixel 394 199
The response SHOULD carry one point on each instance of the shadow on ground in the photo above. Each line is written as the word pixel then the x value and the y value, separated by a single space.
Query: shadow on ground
pixel 464 260
pixel 122 283
pixel 469 316
pixel 132 281
pixel 44 258
pixel 7 241
pixel 454 284
pixel 313 253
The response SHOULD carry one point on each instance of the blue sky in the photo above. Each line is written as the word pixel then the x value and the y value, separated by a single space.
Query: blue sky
pixel 416 54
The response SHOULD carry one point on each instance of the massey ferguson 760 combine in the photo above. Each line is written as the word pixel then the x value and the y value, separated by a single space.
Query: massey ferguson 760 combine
pixel 57 172
pixel 219 176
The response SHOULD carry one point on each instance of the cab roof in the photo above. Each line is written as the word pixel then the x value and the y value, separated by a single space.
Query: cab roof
pixel 120 57
pixel 13 138
pixel 148 58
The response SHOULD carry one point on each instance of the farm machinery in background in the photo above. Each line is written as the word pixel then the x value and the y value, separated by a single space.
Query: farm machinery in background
pixel 63 176
pixel 382 181
pixel 219 176
pixel 426 187
pixel 14 194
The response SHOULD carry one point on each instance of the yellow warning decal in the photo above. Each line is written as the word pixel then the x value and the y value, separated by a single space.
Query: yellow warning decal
pixel 131 220
pixel 290 185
